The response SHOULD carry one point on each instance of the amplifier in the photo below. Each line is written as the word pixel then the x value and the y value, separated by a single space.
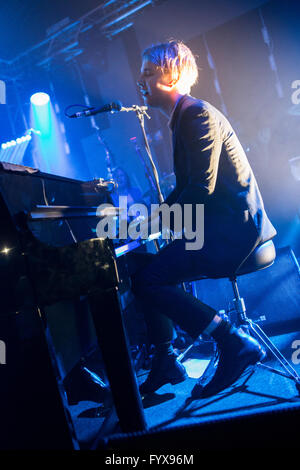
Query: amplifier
pixel 272 295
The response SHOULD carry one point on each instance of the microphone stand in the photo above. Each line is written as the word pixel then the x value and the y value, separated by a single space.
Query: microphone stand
pixel 108 156
pixel 140 112
pixel 148 174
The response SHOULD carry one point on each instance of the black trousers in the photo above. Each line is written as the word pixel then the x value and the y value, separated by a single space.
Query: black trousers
pixel 156 281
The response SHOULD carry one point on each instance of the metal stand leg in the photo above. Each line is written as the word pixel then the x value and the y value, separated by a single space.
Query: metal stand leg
pixel 113 342
pixel 256 330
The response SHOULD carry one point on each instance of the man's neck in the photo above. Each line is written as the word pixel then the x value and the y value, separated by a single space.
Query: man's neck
pixel 167 107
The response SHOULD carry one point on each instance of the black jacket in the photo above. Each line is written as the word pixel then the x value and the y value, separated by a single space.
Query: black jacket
pixel 212 168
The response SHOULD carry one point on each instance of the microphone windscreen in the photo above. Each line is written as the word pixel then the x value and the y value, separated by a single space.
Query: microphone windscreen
pixel 116 105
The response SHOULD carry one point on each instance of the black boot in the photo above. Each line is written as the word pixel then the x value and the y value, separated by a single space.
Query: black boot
pixel 165 369
pixel 237 351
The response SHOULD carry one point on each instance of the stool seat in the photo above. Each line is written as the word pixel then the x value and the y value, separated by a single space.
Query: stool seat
pixel 261 257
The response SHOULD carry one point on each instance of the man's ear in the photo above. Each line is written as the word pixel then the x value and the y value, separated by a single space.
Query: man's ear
pixel 172 82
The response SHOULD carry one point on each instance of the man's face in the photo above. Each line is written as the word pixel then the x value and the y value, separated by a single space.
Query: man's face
pixel 153 84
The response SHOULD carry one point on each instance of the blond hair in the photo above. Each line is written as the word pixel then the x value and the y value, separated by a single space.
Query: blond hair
pixel 177 59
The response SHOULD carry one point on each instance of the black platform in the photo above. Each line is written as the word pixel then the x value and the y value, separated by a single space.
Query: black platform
pixel 261 411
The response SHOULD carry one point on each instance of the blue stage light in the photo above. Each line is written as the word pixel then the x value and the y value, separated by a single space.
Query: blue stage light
pixel 40 99
pixel 18 140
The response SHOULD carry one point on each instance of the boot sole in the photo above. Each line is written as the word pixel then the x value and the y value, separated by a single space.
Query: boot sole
pixel 165 382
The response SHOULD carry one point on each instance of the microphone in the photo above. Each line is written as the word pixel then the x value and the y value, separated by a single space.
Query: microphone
pixel 115 106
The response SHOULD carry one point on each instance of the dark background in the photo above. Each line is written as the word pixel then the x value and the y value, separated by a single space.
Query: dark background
pixel 233 58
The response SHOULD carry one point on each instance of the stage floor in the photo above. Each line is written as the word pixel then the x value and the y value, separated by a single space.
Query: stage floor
pixel 259 392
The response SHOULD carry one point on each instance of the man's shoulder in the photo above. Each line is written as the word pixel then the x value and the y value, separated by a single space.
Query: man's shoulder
pixel 193 106
pixel 196 109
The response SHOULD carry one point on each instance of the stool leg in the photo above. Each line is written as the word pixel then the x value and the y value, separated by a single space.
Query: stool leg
pixel 267 343
pixel 257 331
pixel 239 305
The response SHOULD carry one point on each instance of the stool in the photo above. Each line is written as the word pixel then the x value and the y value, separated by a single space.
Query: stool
pixel 262 257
